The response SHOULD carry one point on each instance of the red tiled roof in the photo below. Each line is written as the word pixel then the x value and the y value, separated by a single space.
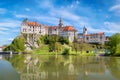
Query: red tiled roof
pixel 2 47
pixel 100 33
pixel 33 24
pixel 68 28
pixel 53 27
pixel 87 35
pixel 65 28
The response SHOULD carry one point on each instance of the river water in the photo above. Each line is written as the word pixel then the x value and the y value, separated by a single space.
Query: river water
pixel 50 67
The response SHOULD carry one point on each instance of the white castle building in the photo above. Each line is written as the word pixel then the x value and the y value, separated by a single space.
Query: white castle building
pixel 34 28
pixel 94 38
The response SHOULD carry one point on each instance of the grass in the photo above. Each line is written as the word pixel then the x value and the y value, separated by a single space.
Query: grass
pixel 44 50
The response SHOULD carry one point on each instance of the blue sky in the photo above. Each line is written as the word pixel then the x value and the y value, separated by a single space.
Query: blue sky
pixel 96 15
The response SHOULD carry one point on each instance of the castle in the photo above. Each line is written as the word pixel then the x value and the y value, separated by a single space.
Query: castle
pixel 34 28
pixel 93 38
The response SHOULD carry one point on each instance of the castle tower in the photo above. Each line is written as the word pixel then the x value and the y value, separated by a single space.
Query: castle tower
pixel 84 33
pixel 84 30
pixel 25 20
pixel 60 23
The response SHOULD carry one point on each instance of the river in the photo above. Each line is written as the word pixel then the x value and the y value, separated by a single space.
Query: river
pixel 50 67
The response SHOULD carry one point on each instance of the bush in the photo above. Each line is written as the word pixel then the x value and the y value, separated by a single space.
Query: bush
pixel 17 45
pixel 66 51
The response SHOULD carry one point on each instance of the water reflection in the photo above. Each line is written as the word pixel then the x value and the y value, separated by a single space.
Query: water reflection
pixel 7 72
pixel 43 67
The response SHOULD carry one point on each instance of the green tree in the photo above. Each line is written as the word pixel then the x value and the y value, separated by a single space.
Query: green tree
pixel 114 44
pixel 64 40
pixel 17 45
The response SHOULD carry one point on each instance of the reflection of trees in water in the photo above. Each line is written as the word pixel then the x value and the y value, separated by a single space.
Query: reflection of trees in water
pixel 114 66
pixel 38 67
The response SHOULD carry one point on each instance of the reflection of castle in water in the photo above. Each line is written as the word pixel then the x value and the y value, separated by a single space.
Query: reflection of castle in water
pixel 62 68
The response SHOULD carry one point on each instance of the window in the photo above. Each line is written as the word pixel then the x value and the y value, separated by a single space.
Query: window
pixel 87 38
pixel 29 29
pixel 24 30
pixel 100 37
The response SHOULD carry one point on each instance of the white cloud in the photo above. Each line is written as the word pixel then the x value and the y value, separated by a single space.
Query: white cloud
pixel 45 4
pixel 10 39
pixel 54 13
pixel 112 27
pixel 27 9
pixel 2 10
pixel 10 24
pixel 3 32
pixel 3 28
pixel 66 14
pixel 21 16
pixel 115 9
pixel 41 18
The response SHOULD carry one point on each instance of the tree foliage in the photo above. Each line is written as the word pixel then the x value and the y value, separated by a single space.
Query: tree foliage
pixel 54 42
pixel 114 44
pixel 64 40
pixel 17 45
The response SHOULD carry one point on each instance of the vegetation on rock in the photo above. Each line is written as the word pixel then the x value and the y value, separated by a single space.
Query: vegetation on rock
pixel 17 45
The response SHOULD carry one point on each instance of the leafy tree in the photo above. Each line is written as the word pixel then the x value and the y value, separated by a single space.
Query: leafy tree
pixel 114 44
pixel 58 47
pixel 117 49
pixel 66 51
pixel 64 40
pixel 17 45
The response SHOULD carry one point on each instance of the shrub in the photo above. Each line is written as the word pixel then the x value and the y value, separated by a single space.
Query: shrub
pixel 66 51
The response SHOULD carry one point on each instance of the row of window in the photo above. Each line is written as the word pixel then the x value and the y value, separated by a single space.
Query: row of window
pixel 25 30
pixel 94 37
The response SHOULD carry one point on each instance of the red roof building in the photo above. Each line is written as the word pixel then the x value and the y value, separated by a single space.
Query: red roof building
pixel 69 32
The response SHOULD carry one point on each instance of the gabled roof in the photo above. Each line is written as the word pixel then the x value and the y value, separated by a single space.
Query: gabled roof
pixel 65 28
pixel 53 27
pixel 2 47
pixel 68 28
pixel 32 24
pixel 100 33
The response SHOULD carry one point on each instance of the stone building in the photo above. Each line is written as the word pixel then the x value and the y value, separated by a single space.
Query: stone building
pixel 34 28
pixel 94 38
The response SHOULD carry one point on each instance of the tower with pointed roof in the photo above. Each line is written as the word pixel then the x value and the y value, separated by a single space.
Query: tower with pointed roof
pixel 60 23
pixel 84 33
pixel 25 20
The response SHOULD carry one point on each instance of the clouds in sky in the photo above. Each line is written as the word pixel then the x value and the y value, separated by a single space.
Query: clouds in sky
pixel 115 9
pixel 96 15
pixel 2 10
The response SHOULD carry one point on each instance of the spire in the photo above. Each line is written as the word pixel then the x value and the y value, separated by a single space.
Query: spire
pixel 25 20
pixel 60 22
pixel 84 30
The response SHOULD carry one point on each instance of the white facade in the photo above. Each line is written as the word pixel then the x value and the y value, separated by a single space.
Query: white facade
pixel 53 31
pixel 32 28
pixel 98 38
pixel 69 34
pixel 36 28
pixel 95 38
